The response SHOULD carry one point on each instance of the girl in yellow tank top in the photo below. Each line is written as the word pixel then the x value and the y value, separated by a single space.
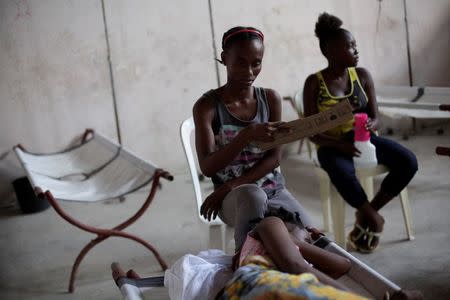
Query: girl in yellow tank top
pixel 337 149
pixel 356 96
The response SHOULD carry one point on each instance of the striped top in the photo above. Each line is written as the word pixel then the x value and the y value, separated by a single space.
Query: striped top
pixel 226 126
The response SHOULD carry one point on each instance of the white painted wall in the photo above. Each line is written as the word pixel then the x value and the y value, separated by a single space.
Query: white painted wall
pixel 162 63
pixel 292 50
pixel 429 29
pixel 55 78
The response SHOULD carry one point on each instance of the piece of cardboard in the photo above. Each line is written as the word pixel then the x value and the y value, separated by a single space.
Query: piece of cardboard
pixel 312 125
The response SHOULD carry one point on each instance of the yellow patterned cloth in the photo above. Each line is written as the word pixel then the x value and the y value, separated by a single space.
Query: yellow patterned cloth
pixel 256 279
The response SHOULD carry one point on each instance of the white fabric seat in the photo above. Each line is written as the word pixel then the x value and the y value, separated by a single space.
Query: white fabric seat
pixel 97 169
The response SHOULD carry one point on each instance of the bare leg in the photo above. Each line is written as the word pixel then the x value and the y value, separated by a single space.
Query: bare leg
pixel 283 251
pixel 368 216
pixel 330 263
pixel 380 200
pixel 132 274
pixel 117 271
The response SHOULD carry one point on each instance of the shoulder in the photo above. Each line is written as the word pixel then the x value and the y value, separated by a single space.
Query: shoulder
pixel 204 106
pixel 311 83
pixel 273 97
pixel 312 80
pixel 363 75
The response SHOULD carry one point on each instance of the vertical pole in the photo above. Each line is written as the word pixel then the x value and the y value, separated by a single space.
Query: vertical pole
pixel 213 35
pixel 408 52
pixel 111 75
pixel 408 49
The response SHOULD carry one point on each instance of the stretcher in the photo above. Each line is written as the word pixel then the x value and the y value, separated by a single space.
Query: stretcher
pixel 361 278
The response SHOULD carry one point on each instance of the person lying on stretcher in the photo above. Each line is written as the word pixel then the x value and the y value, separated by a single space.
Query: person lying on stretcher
pixel 278 261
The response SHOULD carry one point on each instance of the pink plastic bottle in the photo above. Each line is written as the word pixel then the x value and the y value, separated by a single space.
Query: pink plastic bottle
pixel 368 157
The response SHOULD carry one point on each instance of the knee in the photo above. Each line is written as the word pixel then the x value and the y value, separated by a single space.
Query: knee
pixel 410 164
pixel 414 165
pixel 269 223
pixel 250 195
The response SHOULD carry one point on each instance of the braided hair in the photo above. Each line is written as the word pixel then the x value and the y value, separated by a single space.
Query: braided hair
pixel 328 28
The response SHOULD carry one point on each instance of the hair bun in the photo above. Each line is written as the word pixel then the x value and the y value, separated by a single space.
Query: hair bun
pixel 326 25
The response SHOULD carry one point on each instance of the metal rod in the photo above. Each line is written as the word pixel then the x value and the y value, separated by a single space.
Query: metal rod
pixel 111 74
pixel 408 48
pixel 213 35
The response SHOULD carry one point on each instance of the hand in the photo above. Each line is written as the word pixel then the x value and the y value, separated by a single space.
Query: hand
pixel 372 124
pixel 213 203
pixel 348 149
pixel 265 132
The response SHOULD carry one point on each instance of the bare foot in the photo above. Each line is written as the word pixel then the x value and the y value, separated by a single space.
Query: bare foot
pixel 117 271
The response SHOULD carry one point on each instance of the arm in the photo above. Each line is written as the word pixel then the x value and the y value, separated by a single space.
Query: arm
pixel 372 107
pixel 212 161
pixel 272 157
pixel 310 94
pixel 284 253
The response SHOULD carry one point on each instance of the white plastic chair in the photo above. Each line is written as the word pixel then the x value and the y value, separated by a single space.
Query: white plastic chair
pixel 219 233
pixel 332 200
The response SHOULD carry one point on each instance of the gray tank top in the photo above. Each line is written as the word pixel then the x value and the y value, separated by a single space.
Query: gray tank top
pixel 226 126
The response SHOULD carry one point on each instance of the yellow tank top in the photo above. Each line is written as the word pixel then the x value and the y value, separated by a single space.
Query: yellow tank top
pixel 357 97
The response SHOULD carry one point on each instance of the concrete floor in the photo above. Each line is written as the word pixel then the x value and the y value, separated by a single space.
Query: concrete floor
pixel 37 250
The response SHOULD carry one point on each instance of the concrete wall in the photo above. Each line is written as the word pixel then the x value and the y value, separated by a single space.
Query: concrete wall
pixel 55 77
pixel 429 23
pixel 292 50
pixel 162 63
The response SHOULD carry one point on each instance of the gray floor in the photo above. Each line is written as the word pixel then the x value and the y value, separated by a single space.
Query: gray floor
pixel 37 250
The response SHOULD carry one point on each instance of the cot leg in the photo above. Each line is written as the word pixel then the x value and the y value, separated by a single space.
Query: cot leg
pixel 99 239
pixel 77 262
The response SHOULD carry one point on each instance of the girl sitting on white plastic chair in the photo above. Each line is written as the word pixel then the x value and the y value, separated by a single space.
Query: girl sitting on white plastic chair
pixel 339 81
pixel 227 120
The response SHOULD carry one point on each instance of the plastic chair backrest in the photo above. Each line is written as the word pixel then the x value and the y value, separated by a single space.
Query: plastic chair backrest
pixel 186 129
pixel 298 101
